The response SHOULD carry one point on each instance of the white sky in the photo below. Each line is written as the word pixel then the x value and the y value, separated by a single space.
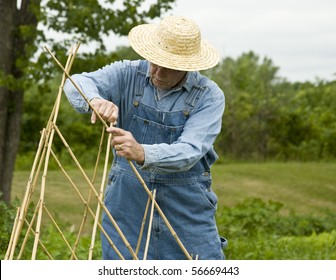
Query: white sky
pixel 298 35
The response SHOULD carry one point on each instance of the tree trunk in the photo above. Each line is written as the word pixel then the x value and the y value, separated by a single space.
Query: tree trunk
pixel 12 47
pixel 8 108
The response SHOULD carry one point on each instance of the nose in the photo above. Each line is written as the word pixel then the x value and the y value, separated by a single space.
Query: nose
pixel 160 70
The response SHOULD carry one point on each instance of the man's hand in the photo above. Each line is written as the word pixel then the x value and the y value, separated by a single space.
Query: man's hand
pixel 126 146
pixel 106 109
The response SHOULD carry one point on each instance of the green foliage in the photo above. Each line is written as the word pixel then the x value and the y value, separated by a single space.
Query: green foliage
pixel 58 249
pixel 256 230
pixel 51 238
pixel 81 18
pixel 255 216
pixel 88 22
pixel 39 99
pixel 315 247
pixel 7 216
pixel 81 135
pixel 85 21
pixel 87 62
pixel 267 117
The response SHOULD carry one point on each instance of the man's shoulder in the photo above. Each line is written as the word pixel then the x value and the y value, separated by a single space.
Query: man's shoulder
pixel 135 63
pixel 207 83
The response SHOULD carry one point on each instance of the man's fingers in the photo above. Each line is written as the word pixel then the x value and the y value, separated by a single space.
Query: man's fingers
pixel 114 117
pixel 116 131
pixel 106 109
pixel 93 117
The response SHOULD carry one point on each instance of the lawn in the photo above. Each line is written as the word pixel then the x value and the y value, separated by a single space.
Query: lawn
pixel 306 188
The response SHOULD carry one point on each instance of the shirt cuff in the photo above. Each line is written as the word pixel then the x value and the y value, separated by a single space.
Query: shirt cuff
pixel 151 157
pixel 89 97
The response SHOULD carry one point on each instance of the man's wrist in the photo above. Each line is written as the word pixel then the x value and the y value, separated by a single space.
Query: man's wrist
pixel 141 159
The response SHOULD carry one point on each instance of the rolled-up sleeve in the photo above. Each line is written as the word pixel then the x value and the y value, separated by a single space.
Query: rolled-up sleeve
pixel 107 83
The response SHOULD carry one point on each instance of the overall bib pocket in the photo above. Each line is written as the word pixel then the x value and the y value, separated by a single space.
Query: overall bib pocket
pixel 150 132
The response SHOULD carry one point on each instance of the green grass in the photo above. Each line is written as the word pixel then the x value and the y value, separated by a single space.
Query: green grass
pixel 305 188
pixel 61 198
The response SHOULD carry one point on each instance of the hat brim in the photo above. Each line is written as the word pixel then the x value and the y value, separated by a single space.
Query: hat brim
pixel 141 39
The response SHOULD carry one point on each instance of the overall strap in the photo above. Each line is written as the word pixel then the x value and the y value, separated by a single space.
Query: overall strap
pixel 140 81
pixel 196 94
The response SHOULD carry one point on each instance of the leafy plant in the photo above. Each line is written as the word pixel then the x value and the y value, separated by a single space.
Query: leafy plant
pixel 256 230
pixel 7 216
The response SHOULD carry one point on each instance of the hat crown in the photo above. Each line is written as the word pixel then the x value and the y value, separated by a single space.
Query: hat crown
pixel 178 35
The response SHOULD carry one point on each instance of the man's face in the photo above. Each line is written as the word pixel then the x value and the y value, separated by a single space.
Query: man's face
pixel 165 78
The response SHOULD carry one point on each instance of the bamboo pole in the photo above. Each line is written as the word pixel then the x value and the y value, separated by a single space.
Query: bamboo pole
pixel 30 229
pixel 81 227
pixel 44 142
pixel 149 226
pixel 46 162
pixel 10 244
pixel 29 190
pixel 36 167
pixel 32 181
pixel 41 244
pixel 42 193
pixel 86 205
pixel 76 86
pixel 60 231
pixel 170 228
pixel 30 225
pixel 100 149
pixel 101 194
pixel 142 226
pixel 114 223
pixel 80 230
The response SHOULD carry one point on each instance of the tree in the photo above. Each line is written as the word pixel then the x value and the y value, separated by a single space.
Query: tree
pixel 248 84
pixel 23 28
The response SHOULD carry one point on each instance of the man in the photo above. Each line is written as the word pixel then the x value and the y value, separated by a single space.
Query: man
pixel 168 116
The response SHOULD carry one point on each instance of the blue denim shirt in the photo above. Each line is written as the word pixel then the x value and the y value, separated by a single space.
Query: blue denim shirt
pixel 115 83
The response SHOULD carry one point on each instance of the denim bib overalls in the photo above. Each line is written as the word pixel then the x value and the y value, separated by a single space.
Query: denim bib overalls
pixel 185 198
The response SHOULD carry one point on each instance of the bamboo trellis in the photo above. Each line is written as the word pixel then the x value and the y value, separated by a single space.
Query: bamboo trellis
pixel 23 227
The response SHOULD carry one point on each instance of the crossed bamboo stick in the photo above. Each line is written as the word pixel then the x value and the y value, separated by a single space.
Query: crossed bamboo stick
pixel 44 150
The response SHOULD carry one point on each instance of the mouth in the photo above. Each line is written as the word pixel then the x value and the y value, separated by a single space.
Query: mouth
pixel 157 81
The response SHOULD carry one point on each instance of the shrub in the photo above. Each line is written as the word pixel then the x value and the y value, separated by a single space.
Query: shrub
pixel 256 230
pixel 7 216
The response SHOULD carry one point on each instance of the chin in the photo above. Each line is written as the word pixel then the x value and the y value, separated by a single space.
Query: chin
pixel 160 85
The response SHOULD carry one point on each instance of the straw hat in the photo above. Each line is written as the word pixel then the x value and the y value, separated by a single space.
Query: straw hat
pixel 174 43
